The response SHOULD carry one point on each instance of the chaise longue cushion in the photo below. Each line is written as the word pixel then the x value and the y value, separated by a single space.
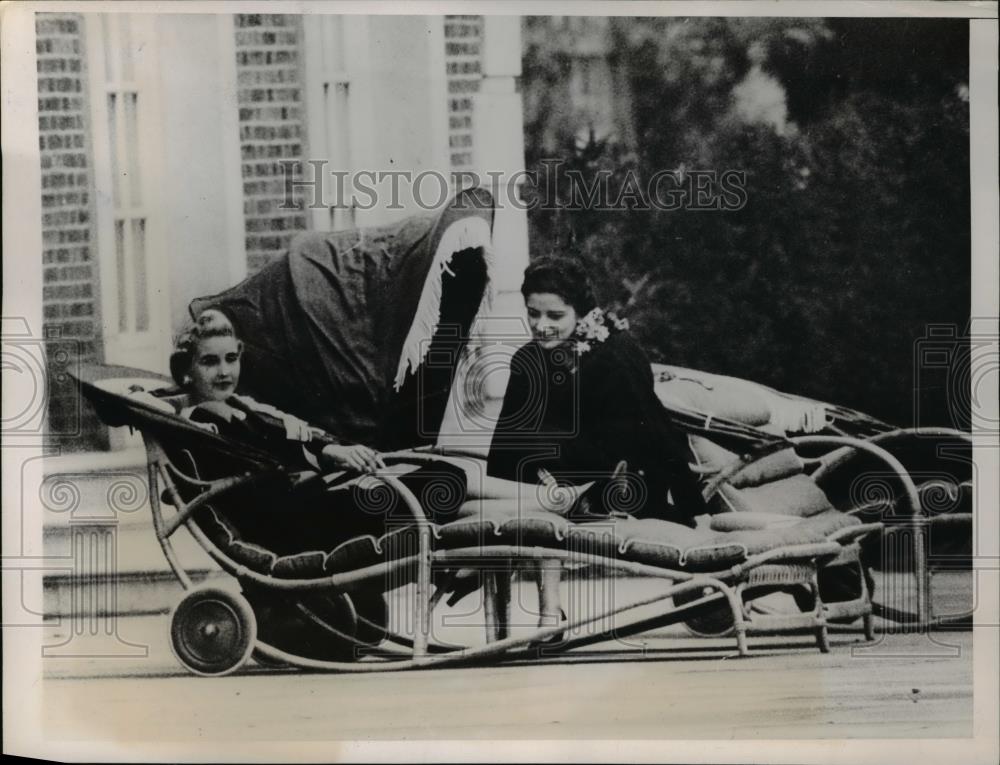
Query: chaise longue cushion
pixel 648 541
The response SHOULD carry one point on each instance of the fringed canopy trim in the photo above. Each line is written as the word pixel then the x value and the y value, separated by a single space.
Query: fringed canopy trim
pixel 463 234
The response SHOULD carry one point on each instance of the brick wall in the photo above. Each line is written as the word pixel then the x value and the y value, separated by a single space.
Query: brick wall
pixel 463 36
pixel 70 301
pixel 272 129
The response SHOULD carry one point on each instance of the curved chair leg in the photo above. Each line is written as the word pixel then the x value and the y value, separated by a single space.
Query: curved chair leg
pixel 489 606
pixel 739 619
pixel 496 602
pixel 823 638
pixel 549 605
pixel 821 631
pixel 503 592
pixel 867 619
pixel 869 626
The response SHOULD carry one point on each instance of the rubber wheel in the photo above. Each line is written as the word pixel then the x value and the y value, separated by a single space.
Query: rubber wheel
pixel 715 620
pixel 213 631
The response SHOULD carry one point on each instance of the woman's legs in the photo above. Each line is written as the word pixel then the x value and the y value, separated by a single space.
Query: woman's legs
pixel 490 493
pixel 549 495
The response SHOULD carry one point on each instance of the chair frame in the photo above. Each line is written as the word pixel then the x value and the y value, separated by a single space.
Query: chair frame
pixel 499 563
pixel 914 519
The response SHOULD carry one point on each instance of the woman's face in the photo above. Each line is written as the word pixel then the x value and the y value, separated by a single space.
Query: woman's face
pixel 215 368
pixel 552 320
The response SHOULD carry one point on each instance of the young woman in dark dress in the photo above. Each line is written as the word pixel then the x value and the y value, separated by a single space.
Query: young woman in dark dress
pixel 580 401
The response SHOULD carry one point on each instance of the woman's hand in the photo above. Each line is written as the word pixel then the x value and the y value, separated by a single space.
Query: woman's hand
pixel 353 457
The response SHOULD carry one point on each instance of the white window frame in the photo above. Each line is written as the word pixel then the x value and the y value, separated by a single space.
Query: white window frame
pixel 112 73
pixel 337 109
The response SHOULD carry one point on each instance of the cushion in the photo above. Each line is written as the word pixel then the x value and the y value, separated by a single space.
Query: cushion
pixel 824 523
pixel 795 495
pixel 732 399
pixel 535 528
pixel 650 541
pixel 709 455
pixel 304 565
pixel 830 521
pixel 671 545
pixel 773 467
pixel 751 521
pixel 713 458
pixel 353 554
pixel 757 541
pixel 503 528
pixel 252 556
pixel 217 527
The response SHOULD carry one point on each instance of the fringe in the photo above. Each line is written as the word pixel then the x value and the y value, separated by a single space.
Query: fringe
pixel 461 235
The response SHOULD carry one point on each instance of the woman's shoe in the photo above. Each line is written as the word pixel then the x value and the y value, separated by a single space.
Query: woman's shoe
pixel 597 502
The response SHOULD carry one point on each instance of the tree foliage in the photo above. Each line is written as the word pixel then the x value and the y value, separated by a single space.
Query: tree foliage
pixel 855 232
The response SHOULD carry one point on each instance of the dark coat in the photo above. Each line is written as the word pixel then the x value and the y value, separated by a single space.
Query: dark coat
pixel 262 426
pixel 314 516
pixel 579 414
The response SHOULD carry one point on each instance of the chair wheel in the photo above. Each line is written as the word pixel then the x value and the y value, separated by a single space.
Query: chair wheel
pixel 715 620
pixel 212 631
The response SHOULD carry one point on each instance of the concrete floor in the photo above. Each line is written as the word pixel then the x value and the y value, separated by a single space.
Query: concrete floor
pixel 667 685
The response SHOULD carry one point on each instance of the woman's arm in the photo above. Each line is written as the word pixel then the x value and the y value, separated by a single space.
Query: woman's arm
pixel 293 441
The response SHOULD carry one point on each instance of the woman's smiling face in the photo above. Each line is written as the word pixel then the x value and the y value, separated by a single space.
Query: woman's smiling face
pixel 552 319
pixel 215 368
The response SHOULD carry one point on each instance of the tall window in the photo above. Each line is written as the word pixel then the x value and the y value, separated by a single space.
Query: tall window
pixel 330 136
pixel 336 103
pixel 121 49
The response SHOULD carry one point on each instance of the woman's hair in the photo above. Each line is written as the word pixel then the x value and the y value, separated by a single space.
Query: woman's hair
pixel 563 277
pixel 210 323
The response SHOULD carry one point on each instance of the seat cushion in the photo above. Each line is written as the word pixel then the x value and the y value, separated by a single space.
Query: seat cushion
pixel 670 545
pixel 648 541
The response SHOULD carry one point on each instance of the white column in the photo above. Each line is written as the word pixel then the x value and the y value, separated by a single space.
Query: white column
pixel 498 145
pixel 201 189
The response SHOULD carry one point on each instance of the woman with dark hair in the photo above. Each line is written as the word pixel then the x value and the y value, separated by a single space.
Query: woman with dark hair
pixel 580 406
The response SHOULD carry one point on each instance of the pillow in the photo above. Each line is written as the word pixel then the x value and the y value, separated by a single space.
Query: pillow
pixel 714 458
pixel 796 495
pixel 742 402
pixel 751 521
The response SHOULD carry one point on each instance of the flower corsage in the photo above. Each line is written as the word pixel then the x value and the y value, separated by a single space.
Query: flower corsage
pixel 596 327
